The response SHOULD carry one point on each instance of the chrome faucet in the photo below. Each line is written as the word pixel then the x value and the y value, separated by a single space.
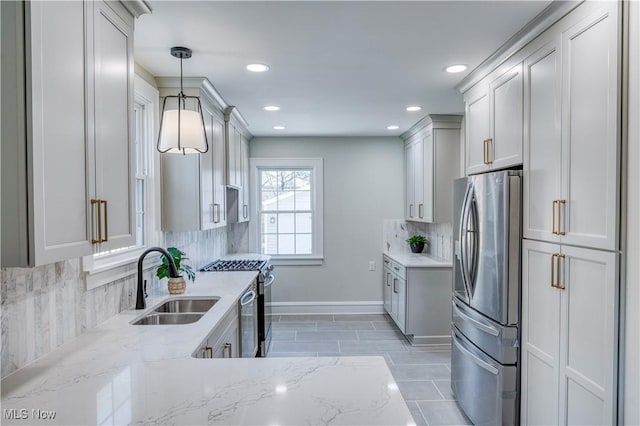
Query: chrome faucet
pixel 142 292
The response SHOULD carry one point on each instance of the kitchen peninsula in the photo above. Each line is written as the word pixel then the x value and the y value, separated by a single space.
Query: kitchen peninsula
pixel 121 373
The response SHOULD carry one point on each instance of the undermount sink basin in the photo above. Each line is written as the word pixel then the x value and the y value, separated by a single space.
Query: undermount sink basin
pixel 168 319
pixel 186 305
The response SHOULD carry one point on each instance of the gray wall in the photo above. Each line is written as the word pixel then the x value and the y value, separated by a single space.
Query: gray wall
pixel 363 185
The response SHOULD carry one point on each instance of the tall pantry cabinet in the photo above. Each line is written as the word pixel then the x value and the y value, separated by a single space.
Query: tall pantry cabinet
pixel 571 206
pixel 67 151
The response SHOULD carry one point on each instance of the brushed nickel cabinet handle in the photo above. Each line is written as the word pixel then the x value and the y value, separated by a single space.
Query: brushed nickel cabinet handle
pixel 562 207
pixel 216 213
pixel 559 263
pixel 553 268
pixel 388 280
pixel 208 350
pixel 484 151
pixel 245 211
pixel 396 268
pixel 410 210
pixel 395 285
pixel 489 143
pixel 227 348
pixel 554 230
pixel 106 222
pixel 420 208
pixel 98 222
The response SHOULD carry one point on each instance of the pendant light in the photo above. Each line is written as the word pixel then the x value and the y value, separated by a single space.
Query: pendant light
pixel 182 129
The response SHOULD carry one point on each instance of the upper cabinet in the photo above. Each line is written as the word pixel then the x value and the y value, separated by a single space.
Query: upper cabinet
pixel 432 158
pixel 193 186
pixel 67 154
pixel 494 122
pixel 571 140
pixel 237 144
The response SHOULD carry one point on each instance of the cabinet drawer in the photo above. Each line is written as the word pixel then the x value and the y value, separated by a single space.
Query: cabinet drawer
pixel 395 267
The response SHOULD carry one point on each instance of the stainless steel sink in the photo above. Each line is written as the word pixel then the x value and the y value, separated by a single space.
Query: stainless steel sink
pixel 186 305
pixel 168 319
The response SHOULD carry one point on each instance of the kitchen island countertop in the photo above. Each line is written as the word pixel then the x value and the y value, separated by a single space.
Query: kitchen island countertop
pixel 119 373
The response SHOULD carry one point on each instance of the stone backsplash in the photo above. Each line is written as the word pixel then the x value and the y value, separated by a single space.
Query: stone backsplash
pixel 396 232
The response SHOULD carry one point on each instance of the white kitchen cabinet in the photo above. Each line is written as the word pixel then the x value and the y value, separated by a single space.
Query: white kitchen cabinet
pixel 571 182
pixel 111 72
pixel 494 122
pixel 67 181
pixel 223 341
pixel 234 154
pixel 192 185
pixel 243 213
pixel 432 150
pixel 418 301
pixel 569 337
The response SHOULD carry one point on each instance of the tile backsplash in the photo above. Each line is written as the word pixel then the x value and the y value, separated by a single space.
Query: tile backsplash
pixel 46 306
pixel 396 232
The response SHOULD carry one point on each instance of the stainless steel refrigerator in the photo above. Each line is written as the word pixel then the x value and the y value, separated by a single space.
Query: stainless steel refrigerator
pixel 486 296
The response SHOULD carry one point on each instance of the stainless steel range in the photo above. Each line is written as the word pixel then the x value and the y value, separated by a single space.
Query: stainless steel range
pixel 253 262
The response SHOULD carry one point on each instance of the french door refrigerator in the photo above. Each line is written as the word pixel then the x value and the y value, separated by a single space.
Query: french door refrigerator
pixel 486 296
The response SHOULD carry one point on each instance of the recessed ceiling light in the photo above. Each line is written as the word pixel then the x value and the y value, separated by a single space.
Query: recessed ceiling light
pixel 414 108
pixel 258 67
pixel 455 68
pixel 271 108
pixel 279 127
pixel 393 127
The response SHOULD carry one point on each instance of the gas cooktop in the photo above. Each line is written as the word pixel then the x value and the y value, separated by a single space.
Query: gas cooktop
pixel 235 265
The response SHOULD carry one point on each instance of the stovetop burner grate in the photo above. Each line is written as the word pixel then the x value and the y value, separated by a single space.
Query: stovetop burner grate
pixel 235 265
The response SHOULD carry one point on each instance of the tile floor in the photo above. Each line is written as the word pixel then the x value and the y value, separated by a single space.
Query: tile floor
pixel 422 373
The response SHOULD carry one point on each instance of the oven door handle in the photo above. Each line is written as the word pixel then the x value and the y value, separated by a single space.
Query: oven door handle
pixel 251 295
pixel 269 281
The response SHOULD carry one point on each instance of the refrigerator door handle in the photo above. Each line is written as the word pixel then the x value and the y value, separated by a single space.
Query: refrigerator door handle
pixel 477 324
pixel 475 234
pixel 480 363
pixel 464 240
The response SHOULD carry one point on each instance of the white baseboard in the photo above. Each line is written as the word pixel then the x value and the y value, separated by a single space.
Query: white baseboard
pixel 293 308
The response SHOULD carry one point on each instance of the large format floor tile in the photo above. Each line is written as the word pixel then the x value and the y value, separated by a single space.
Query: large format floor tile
pixel 421 372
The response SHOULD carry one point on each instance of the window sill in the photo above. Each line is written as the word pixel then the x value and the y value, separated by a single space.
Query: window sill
pixel 102 271
pixel 297 261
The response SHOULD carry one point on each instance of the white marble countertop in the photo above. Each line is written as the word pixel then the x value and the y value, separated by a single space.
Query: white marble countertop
pixel 118 373
pixel 418 260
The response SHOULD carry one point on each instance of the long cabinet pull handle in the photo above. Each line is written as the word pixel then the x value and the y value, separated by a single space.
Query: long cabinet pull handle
pixel 420 210
pixel 562 206
pixel 98 222
pixel 245 211
pixel 410 210
pixel 554 230
pixel 208 351
pixel 559 263
pixel 106 223
pixel 553 269
pixel 489 143
pixel 395 287
pixel 484 151
pixel 227 348
pixel 216 213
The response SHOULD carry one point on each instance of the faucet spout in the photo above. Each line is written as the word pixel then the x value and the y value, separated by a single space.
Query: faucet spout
pixel 173 273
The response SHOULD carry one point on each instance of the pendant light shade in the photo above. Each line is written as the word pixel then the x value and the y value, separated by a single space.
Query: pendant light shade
pixel 182 129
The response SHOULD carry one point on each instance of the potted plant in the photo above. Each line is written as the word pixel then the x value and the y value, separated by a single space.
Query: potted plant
pixel 178 256
pixel 417 243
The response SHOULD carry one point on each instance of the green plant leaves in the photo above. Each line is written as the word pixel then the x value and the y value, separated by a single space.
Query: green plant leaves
pixel 178 256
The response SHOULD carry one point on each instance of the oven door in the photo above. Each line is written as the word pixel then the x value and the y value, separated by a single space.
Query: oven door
pixel 265 314
pixel 249 323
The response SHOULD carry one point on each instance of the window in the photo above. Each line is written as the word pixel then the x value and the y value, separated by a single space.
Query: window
pixel 288 209
pixel 106 266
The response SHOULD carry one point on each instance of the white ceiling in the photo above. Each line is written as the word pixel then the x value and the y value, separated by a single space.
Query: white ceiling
pixel 337 67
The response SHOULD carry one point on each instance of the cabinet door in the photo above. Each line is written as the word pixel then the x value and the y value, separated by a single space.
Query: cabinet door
pixel 227 346
pixel 418 178
pixel 207 210
pixel 409 193
pixel 401 294
pixel 540 335
pixel 542 147
pixel 61 188
pixel 505 148
pixel 216 145
pixel 387 289
pixel 588 337
pixel 426 210
pixel 477 125
pixel 243 202
pixel 233 156
pixel 590 130
pixel 112 63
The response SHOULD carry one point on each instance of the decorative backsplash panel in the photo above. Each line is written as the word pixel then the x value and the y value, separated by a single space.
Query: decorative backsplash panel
pixel 238 237
pixel 396 232
pixel 46 306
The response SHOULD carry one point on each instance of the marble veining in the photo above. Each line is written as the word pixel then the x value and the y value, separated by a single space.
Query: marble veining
pixel 125 374
pixel 396 232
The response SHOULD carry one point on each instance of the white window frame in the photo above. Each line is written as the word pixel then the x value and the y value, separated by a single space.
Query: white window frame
pixel 104 269
pixel 317 196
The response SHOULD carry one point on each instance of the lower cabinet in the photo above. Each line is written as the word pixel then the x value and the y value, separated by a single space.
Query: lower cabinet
pixel 418 300
pixel 223 341
pixel 569 337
